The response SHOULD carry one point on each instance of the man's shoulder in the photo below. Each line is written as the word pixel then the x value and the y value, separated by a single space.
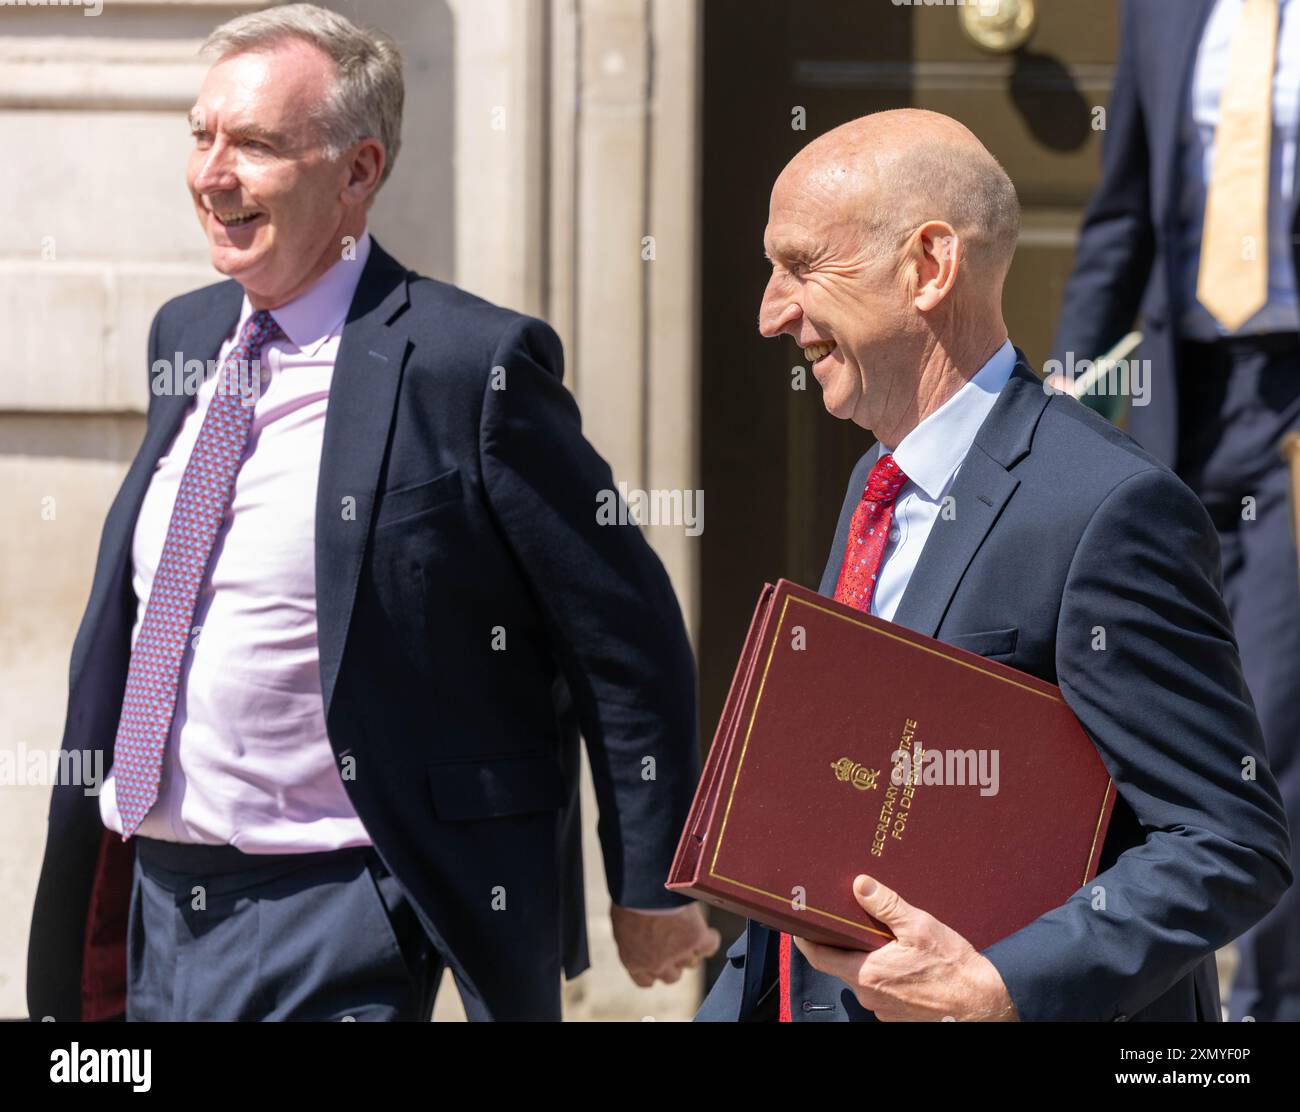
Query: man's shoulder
pixel 1080 462
pixel 453 311
pixel 453 328
pixel 1100 454
pixel 199 303
pixel 1075 458
pixel 440 317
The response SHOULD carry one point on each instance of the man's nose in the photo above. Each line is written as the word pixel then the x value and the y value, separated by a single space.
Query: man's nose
pixel 216 173
pixel 779 309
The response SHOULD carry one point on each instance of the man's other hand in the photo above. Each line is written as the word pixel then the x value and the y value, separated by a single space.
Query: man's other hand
pixel 657 947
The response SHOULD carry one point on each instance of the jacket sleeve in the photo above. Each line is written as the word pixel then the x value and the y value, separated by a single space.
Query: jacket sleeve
pixel 1117 241
pixel 612 614
pixel 1146 658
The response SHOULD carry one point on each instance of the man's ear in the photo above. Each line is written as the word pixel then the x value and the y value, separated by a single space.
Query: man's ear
pixel 365 167
pixel 938 258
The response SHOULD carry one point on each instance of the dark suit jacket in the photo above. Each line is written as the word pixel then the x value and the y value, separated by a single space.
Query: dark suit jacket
pixel 1064 528
pixel 475 508
pixel 1129 260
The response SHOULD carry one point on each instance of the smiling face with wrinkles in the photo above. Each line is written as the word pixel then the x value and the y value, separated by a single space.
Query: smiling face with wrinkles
pixel 829 289
pixel 889 239
pixel 272 202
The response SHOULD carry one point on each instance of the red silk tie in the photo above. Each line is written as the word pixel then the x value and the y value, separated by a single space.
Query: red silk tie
pixel 863 554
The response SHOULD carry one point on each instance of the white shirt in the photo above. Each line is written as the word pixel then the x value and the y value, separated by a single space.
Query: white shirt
pixel 248 762
pixel 1281 312
pixel 930 456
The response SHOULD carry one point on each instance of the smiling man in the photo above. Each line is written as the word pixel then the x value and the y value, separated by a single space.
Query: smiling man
pixel 345 627
pixel 1022 526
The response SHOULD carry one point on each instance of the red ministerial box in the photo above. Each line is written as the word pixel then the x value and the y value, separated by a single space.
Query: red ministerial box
pixel 814 776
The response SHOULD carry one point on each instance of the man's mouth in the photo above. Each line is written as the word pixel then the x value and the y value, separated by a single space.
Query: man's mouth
pixel 237 218
pixel 815 353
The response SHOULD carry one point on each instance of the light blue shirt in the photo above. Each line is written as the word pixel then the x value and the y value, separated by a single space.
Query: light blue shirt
pixel 1281 312
pixel 930 456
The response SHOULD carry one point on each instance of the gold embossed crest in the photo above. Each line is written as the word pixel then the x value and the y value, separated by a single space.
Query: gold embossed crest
pixel 851 772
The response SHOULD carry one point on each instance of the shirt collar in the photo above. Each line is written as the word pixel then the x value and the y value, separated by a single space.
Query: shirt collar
pixel 311 317
pixel 930 454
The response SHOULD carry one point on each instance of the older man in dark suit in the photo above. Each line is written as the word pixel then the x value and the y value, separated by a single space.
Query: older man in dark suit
pixel 1021 526
pixel 352 606
pixel 1195 232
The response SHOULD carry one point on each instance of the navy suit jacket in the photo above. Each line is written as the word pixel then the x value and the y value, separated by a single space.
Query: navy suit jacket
pixel 457 498
pixel 1065 531
pixel 1129 261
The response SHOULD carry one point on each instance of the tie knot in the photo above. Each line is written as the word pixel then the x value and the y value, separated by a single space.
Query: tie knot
pixel 885 481
pixel 260 329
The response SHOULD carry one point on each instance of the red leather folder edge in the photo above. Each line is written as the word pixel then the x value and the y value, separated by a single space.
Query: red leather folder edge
pixel 700 837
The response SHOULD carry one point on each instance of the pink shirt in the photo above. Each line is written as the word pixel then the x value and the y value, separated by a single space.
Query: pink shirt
pixel 248 762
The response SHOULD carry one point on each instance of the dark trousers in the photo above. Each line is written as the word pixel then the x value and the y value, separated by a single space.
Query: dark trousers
pixel 1238 398
pixel 217 934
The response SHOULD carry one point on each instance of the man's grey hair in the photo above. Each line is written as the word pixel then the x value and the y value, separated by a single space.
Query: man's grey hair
pixel 366 99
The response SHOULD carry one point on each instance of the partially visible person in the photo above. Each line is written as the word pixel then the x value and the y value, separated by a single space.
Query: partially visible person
pixel 1194 232
pixel 351 609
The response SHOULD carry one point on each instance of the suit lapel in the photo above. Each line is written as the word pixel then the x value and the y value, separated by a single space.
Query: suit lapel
pixel 1185 26
pixel 363 396
pixel 982 488
pixel 979 493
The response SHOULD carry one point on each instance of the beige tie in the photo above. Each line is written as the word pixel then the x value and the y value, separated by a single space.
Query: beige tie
pixel 1233 279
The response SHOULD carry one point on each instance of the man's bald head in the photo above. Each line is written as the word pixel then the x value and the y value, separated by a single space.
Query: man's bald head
pixel 892 171
pixel 890 240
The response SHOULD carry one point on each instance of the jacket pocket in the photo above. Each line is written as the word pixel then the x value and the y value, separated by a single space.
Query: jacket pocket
pixel 407 502
pixel 992 642
pixel 496 787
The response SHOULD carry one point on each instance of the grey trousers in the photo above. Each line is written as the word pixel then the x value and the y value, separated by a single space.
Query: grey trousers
pixel 217 934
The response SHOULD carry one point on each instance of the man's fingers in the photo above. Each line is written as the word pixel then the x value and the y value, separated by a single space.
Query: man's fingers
pixel 671 975
pixel 818 955
pixel 848 965
pixel 883 904
pixel 672 972
pixel 843 964
pixel 660 947
pixel 705 945
pixel 711 944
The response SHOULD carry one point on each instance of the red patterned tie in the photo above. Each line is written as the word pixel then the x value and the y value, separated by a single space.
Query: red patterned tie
pixel 153 675
pixel 863 554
